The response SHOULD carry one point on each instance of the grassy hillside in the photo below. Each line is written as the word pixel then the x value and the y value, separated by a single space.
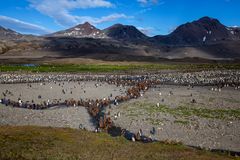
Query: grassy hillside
pixel 56 143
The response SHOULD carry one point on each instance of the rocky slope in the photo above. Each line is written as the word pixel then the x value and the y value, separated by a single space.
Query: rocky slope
pixel 203 31
pixel 124 32
pixel 8 34
pixel 85 30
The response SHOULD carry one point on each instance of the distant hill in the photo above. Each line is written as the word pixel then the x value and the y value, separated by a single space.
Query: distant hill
pixel 8 34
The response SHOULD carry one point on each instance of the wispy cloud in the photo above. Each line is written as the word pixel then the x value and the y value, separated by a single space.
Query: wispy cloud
pixel 21 26
pixel 143 1
pixel 143 11
pixel 172 29
pixel 61 11
pixel 147 30
pixel 103 19
pixel 150 2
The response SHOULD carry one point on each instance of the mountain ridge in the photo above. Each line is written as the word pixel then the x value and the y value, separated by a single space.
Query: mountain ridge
pixel 85 30
pixel 206 30
pixel 201 31
pixel 204 38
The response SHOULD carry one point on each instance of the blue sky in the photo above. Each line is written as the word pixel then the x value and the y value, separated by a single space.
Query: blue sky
pixel 150 16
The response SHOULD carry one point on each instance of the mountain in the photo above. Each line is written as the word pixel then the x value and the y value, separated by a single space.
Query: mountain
pixel 85 30
pixel 8 34
pixel 206 30
pixel 124 32
pixel 235 32
pixel 204 38
pixel 116 32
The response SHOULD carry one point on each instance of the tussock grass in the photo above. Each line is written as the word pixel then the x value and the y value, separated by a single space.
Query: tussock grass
pixel 62 144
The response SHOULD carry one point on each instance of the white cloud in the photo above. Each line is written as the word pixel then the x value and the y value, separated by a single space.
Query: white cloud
pixel 103 19
pixel 143 11
pixel 21 26
pixel 69 4
pixel 235 26
pixel 172 29
pixel 150 2
pixel 61 11
pixel 143 1
pixel 147 31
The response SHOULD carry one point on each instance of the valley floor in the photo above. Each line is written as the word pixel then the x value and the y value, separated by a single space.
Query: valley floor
pixel 204 115
pixel 211 122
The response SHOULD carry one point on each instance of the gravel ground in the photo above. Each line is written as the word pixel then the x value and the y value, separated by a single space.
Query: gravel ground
pixel 56 117
pixel 54 91
pixel 171 123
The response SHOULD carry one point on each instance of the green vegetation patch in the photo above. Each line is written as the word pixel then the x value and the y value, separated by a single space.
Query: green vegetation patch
pixel 187 111
pixel 113 68
pixel 26 143
pixel 66 68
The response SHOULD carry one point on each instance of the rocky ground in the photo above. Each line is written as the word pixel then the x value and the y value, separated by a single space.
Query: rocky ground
pixel 60 91
pixel 59 116
pixel 212 121
pixel 72 117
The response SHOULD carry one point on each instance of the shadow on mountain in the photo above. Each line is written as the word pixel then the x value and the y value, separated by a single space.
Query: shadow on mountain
pixel 110 50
